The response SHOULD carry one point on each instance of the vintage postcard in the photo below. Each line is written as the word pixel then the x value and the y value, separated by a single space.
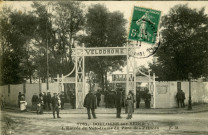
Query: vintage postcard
pixel 104 67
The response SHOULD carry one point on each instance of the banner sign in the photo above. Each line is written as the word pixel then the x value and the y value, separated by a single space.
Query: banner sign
pixel 113 51
pixel 120 77
pixel 144 25
pixel 105 51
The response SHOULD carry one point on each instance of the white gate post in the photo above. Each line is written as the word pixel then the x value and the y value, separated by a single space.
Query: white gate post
pixel 131 75
pixel 79 77
pixel 76 80
pixel 62 82
pixel 83 73
pixel 154 95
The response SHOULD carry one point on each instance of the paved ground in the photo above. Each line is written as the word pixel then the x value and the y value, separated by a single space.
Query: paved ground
pixel 27 123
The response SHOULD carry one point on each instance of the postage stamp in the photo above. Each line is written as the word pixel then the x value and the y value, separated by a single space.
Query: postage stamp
pixel 144 25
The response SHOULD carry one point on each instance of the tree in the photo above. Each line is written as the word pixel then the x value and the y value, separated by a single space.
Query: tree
pixel 26 37
pixel 59 23
pixel 184 47
pixel 17 30
pixel 104 29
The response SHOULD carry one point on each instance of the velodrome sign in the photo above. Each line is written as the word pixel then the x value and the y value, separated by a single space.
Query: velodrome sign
pixel 102 51
pixel 113 51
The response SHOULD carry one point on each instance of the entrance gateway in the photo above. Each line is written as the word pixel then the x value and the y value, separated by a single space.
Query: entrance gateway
pixel 78 56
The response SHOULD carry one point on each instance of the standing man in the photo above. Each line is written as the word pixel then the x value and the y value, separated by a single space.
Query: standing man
pixel 2 101
pixel 178 97
pixel 183 97
pixel 19 98
pixel 73 99
pixel 148 100
pixel 55 105
pixel 34 101
pixel 44 100
pixel 138 98
pixel 62 97
pixel 98 94
pixel 49 100
pixel 118 102
pixel 106 99
pixel 90 104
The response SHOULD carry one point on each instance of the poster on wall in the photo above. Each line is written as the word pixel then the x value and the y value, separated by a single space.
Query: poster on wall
pixel 45 39
pixel 162 89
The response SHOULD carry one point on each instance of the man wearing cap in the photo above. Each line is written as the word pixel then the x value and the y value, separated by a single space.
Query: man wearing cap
pixel 55 105
pixel 90 104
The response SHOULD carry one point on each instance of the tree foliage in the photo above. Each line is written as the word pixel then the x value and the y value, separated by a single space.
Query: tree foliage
pixel 17 30
pixel 184 47
pixel 26 37
pixel 104 29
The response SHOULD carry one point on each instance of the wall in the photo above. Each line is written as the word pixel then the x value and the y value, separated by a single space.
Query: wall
pixel 12 97
pixel 165 95
pixel 165 92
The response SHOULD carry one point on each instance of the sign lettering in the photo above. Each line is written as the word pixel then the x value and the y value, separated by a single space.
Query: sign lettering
pixel 102 51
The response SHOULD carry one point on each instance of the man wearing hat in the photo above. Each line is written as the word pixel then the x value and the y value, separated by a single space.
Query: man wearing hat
pixel 49 100
pixel 90 104
pixel 55 105
pixel 62 97
pixel 118 102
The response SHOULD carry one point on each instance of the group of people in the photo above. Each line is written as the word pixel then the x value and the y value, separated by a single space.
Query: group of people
pixel 45 101
pixel 41 102
pixel 90 102
pixel 146 96
pixel 180 97
pixel 72 97
pixel 110 98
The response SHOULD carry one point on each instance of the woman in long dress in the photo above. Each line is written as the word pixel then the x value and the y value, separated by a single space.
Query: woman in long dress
pixel 129 104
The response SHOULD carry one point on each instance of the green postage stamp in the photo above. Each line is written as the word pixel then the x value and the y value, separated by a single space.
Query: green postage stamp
pixel 144 25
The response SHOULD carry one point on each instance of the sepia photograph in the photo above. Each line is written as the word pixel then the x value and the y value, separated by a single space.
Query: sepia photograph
pixel 104 67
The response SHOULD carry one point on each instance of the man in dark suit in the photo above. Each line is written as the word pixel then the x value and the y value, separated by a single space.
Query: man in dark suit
pixel 90 104
pixel 44 100
pixel 138 98
pixel 178 97
pixel 49 100
pixel 55 105
pixel 19 98
pixel 148 100
pixel 98 95
pixel 118 102
pixel 62 97
pixel 106 99
pixel 73 99
pixel 183 97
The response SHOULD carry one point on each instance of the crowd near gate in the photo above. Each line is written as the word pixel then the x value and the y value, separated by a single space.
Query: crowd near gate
pixel 78 56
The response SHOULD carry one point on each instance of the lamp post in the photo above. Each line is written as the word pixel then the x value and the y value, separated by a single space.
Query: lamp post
pixel 189 102
pixel 47 66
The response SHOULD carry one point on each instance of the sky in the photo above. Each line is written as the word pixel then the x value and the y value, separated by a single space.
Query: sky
pixel 125 7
